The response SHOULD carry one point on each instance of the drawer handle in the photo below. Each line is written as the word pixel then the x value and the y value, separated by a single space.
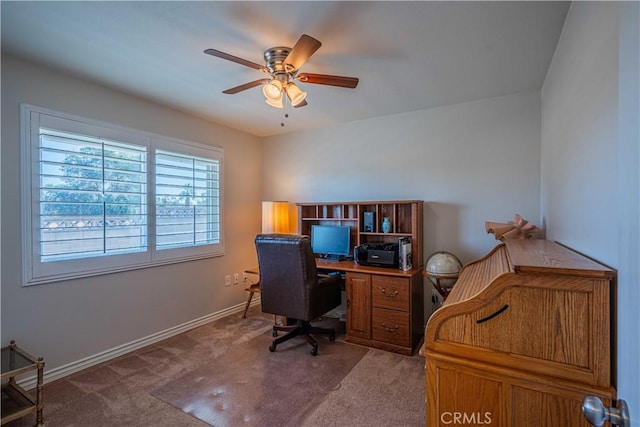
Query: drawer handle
pixel 491 316
pixel 391 295
pixel 395 328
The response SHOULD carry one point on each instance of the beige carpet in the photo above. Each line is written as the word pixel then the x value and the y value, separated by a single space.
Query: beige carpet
pixel 349 386
pixel 249 385
pixel 383 389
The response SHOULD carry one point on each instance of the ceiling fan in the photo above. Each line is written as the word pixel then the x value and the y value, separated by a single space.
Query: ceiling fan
pixel 282 65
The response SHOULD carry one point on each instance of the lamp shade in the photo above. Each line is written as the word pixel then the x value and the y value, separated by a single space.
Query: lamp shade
pixel 275 102
pixel 275 217
pixel 295 94
pixel 272 90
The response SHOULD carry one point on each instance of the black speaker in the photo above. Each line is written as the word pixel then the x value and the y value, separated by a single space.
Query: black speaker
pixel 369 220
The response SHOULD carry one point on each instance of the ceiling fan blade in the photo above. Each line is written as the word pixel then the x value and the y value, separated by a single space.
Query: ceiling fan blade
pixel 245 86
pixel 235 59
pixel 325 79
pixel 302 104
pixel 303 49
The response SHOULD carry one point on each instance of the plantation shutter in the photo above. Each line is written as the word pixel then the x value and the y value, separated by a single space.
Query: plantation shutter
pixel 89 198
pixel 93 196
pixel 187 192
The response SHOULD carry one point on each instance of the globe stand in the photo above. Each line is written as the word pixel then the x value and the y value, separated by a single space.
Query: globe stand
pixel 435 280
pixel 442 269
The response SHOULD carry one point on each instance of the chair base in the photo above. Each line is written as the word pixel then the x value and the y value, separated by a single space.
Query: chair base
pixel 301 328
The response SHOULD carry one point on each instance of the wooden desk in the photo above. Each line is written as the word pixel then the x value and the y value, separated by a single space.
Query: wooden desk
pixel 524 335
pixel 385 306
pixel 353 267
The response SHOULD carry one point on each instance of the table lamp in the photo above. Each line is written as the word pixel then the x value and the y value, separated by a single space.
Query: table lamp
pixel 275 217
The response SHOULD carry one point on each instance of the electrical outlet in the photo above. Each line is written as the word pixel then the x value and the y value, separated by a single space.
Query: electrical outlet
pixel 227 280
pixel 236 278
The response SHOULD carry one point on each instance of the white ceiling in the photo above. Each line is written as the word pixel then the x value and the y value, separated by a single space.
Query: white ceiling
pixel 408 55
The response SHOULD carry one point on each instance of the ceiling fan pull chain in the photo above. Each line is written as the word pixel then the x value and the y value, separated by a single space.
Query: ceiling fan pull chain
pixel 285 114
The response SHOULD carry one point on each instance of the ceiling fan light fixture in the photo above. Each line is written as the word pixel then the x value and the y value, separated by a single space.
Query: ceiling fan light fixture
pixel 277 103
pixel 296 96
pixel 273 90
pixel 282 66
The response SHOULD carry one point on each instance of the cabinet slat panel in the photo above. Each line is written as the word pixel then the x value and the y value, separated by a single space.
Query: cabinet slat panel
pixel 475 276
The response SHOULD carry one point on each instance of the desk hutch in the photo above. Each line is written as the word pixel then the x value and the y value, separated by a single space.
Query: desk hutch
pixel 385 306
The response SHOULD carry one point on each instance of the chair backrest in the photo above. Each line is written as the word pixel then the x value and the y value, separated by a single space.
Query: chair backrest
pixel 287 274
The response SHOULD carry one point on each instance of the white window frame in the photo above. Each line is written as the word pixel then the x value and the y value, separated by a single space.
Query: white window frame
pixel 36 272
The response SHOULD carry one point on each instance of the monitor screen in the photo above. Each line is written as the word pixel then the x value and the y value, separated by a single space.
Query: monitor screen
pixel 331 240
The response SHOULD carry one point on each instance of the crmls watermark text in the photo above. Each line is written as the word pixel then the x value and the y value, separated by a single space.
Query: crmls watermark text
pixel 469 418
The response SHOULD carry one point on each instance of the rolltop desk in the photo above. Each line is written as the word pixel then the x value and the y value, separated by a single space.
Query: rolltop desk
pixel 524 335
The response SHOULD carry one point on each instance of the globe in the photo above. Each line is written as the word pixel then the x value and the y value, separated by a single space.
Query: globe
pixel 440 265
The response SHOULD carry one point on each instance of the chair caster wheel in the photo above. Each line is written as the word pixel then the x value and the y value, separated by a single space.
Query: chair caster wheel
pixel 314 350
pixel 272 347
pixel 274 333
pixel 332 337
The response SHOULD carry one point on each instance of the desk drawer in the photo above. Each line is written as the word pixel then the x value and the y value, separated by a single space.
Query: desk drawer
pixel 390 292
pixel 391 326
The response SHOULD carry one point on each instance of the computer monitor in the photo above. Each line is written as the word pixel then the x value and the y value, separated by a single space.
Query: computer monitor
pixel 331 241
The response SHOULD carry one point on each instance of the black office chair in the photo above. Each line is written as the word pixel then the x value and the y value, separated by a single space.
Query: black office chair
pixel 290 287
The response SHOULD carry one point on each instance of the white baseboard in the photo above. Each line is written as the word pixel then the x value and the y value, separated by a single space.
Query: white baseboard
pixel 30 382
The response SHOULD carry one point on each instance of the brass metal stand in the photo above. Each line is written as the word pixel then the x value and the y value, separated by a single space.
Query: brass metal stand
pixel 16 401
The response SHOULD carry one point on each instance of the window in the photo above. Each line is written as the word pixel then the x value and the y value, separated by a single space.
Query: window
pixel 187 201
pixel 98 198
pixel 93 197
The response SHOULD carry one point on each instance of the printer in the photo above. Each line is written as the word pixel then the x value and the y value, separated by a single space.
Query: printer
pixel 377 254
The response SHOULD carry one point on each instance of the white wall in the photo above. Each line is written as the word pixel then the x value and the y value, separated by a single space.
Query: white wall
pixel 590 158
pixel 470 163
pixel 71 320
pixel 579 133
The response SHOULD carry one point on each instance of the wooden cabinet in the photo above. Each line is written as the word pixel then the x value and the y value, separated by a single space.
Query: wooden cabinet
pixel 385 306
pixel 391 310
pixel 524 335
pixel 495 398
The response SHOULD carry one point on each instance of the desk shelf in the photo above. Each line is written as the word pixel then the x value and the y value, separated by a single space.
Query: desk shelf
pixel 406 218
